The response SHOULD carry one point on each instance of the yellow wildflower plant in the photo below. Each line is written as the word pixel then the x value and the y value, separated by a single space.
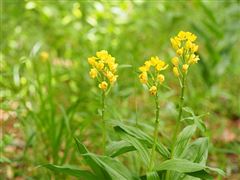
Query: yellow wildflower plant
pixel 150 74
pixel 104 68
pixel 185 48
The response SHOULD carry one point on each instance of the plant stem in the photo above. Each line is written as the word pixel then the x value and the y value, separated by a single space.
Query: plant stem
pixel 181 102
pixel 103 122
pixel 151 164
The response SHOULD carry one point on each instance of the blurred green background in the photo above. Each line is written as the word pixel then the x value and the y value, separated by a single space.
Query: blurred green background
pixel 45 102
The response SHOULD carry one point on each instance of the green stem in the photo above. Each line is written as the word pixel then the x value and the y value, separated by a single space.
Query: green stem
pixel 103 122
pixel 181 102
pixel 151 164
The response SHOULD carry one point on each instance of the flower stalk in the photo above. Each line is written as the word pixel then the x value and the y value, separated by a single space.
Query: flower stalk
pixel 151 75
pixel 104 69
pixel 185 48
pixel 104 130
pixel 151 164
pixel 181 103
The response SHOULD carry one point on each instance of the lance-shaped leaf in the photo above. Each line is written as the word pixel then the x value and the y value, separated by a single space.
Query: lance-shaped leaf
pixel 196 119
pixel 105 167
pixel 117 148
pixel 142 136
pixel 68 170
pixel 183 140
pixel 141 148
pixel 185 166
pixel 197 151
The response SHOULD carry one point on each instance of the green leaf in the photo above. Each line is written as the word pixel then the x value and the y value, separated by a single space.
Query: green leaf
pixel 197 119
pixel 141 148
pixel 68 170
pixel 81 148
pixel 201 174
pixel 119 147
pixel 152 176
pixel 183 140
pixel 99 171
pixel 104 167
pixel 122 66
pixel 140 135
pixel 185 166
pixel 197 151
pixel 114 168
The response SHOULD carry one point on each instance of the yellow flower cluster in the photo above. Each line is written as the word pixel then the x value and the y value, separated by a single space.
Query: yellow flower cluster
pixel 185 49
pixel 104 68
pixel 151 74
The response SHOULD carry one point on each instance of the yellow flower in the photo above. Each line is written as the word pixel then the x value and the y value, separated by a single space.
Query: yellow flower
pixel 154 61
pixel 186 51
pixel 193 59
pixel 113 67
pixel 44 56
pixel 188 44
pixel 175 42
pixel 182 35
pixel 175 61
pixel 109 74
pixel 160 78
pixel 104 67
pixel 110 59
pixel 175 71
pixel 155 78
pixel 143 77
pixel 100 65
pixel 180 51
pixel 161 65
pixel 92 61
pixel 185 68
pixel 103 85
pixel 113 79
pixel 93 73
pixel 153 90
pixel 144 68
pixel 103 54
pixel 187 36
pixel 191 37
pixel 148 64
pixel 194 48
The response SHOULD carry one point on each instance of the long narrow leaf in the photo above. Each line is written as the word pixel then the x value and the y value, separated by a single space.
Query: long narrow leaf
pixel 137 133
pixel 119 147
pixel 98 170
pixel 185 166
pixel 114 168
pixel 152 176
pixel 71 171
pixel 197 151
pixel 141 148
pixel 104 167
pixel 183 140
